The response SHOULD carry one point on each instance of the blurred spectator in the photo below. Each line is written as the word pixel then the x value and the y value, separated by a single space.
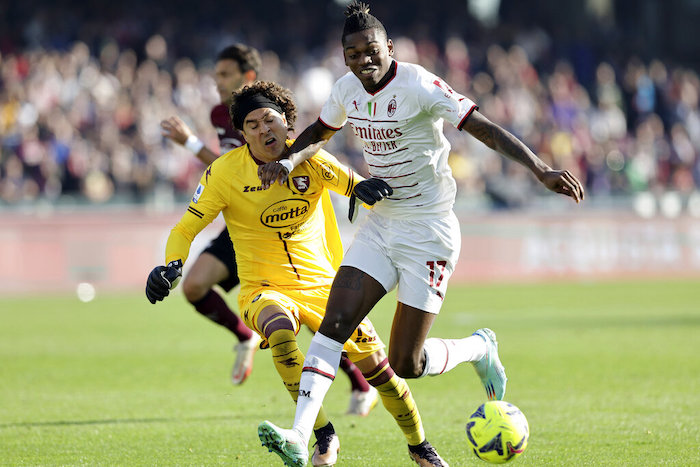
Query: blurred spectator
pixel 79 121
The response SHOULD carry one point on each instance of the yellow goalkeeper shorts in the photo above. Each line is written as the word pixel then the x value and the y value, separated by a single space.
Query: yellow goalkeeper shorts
pixel 307 307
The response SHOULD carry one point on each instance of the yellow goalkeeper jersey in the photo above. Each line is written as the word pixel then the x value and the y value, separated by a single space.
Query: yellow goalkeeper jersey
pixel 285 236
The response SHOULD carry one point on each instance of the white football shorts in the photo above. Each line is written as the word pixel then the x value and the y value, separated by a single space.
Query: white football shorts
pixel 418 256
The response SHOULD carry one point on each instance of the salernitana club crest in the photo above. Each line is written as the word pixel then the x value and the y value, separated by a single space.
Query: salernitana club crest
pixel 301 183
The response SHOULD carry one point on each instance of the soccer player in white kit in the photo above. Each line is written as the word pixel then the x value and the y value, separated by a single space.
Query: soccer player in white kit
pixel 411 237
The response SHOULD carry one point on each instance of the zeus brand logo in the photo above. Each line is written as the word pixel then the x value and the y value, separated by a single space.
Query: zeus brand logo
pixel 365 339
pixel 304 393
pixel 248 189
pixel 285 213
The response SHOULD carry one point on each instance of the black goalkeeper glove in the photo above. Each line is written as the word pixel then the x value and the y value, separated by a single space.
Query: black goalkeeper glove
pixel 162 279
pixel 369 191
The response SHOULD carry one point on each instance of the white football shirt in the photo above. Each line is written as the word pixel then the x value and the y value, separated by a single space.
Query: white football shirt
pixel 400 126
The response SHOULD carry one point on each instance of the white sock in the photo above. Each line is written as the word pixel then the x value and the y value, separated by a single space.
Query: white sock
pixel 320 366
pixel 441 355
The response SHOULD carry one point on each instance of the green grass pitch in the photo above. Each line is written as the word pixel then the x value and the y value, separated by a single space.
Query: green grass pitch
pixel 607 374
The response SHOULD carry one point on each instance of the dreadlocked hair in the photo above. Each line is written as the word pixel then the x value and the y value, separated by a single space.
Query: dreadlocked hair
pixel 357 18
pixel 357 7
pixel 273 91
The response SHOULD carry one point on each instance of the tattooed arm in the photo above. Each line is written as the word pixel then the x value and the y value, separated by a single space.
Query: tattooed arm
pixel 498 139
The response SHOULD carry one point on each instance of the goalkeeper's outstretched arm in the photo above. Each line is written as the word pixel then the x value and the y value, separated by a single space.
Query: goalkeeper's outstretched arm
pixel 162 279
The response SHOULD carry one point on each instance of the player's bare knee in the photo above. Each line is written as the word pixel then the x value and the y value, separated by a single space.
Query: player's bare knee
pixel 406 367
pixel 194 290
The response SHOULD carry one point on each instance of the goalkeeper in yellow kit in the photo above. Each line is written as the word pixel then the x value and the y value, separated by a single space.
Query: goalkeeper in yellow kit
pixel 287 251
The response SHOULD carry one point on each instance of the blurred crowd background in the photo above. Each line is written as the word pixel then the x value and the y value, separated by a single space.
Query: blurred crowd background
pixel 606 88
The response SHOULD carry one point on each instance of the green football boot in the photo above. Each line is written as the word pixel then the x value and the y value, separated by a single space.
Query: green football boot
pixel 285 443
pixel 489 368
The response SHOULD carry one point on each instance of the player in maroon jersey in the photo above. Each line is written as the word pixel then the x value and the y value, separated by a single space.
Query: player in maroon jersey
pixel 236 66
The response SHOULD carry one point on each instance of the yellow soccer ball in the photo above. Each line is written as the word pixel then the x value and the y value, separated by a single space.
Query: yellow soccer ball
pixel 497 432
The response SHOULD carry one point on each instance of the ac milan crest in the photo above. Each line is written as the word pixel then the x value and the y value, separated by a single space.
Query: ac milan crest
pixel 301 183
pixel 391 108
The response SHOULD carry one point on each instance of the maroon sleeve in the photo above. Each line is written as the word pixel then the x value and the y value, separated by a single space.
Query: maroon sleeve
pixel 229 137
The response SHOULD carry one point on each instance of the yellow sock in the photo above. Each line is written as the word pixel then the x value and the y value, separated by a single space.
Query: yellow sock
pixel 398 400
pixel 289 360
